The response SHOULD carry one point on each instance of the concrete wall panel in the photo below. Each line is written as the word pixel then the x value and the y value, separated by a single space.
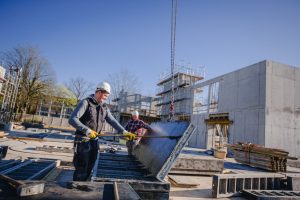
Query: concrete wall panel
pixel 199 138
pixel 239 129
pixel 282 129
pixel 248 93
pixel 297 98
pixel 249 72
pixel 287 140
pixel 280 118
pixel 282 93
pixel 297 74
pixel 227 97
pixel 282 70
pixel 251 126
pixel 261 135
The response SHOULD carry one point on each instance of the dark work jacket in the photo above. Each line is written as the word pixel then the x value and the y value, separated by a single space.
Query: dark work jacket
pixel 94 116
pixel 89 114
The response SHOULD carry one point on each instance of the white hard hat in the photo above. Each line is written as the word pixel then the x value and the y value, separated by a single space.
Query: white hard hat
pixel 103 86
pixel 135 113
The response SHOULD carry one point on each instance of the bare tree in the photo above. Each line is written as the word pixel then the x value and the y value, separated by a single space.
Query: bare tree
pixel 36 77
pixel 80 87
pixel 123 80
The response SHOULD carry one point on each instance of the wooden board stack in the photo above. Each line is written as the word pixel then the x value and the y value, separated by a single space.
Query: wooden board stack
pixel 258 156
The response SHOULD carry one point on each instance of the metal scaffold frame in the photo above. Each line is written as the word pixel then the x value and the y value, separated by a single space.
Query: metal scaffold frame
pixel 10 93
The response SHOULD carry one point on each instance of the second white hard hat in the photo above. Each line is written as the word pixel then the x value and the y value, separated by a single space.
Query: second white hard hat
pixel 103 86
pixel 135 113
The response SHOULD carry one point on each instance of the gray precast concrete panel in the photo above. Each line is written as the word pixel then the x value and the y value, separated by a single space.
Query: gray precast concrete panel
pixel 158 155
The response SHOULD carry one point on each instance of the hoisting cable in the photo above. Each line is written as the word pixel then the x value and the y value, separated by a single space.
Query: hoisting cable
pixel 173 40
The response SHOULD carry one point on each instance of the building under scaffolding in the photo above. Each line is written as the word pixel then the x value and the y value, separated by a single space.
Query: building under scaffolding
pixel 258 104
pixel 126 103
pixel 184 78
pixel 9 81
pixel 2 79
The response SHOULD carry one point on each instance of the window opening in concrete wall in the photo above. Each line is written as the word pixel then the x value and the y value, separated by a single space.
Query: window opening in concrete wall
pixel 200 100
pixel 214 97
pixel 206 99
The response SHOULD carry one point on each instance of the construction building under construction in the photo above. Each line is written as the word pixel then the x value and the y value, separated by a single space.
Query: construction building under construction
pixel 9 83
pixel 2 78
pixel 126 103
pixel 258 104
pixel 181 82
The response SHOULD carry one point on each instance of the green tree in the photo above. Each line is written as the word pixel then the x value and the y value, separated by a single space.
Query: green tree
pixel 64 95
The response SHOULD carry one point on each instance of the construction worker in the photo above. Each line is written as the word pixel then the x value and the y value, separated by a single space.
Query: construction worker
pixel 135 126
pixel 88 119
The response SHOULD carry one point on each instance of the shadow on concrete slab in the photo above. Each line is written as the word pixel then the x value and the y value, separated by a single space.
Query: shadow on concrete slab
pixel 192 193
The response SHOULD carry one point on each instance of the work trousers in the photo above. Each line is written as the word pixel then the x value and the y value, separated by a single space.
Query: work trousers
pixel 85 155
pixel 130 144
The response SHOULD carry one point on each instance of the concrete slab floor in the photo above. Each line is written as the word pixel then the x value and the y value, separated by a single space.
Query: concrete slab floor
pixel 26 149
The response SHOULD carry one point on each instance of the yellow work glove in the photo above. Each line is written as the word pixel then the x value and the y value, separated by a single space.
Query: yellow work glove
pixel 129 136
pixel 92 134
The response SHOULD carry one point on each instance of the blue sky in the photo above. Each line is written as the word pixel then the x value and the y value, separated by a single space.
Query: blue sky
pixel 94 38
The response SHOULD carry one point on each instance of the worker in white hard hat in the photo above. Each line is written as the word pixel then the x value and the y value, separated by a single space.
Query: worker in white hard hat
pixel 88 119
pixel 135 125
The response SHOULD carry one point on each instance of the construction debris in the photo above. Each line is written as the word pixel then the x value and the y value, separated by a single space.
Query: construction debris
pixel 257 156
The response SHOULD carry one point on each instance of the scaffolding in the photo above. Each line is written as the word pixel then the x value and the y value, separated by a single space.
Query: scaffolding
pixel 126 103
pixel 10 91
pixel 207 100
pixel 184 77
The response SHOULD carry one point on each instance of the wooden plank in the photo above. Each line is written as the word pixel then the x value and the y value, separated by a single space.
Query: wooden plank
pixel 182 181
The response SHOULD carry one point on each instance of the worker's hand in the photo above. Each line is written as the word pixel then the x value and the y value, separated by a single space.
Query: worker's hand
pixel 129 136
pixel 92 134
